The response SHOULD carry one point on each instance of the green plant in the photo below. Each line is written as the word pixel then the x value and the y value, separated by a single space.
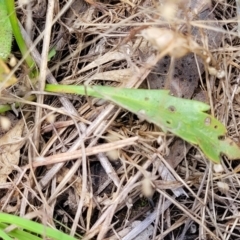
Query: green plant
pixel 11 25
pixel 185 118
pixel 27 229
pixel 6 31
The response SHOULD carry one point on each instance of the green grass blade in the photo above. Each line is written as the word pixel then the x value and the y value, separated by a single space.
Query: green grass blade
pixel 9 5
pixel 34 227
pixel 17 233
pixel 4 235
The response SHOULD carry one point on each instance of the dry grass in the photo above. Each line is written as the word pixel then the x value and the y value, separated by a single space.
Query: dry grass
pixel 111 169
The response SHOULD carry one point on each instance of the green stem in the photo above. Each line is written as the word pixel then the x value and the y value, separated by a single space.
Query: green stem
pixel 17 33
pixel 81 90
pixel 8 107
pixel 5 108
pixel 34 227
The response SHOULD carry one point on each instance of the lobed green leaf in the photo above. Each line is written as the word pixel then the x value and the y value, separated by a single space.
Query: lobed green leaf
pixel 185 118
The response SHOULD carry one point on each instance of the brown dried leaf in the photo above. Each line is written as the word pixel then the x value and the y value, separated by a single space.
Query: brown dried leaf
pixel 121 75
pixel 4 72
pixel 172 43
pixel 10 150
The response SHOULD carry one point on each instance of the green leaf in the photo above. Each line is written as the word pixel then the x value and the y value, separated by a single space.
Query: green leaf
pixel 185 118
pixel 5 32
pixel 16 233
pixel 31 226
pixel 10 6
pixel 52 53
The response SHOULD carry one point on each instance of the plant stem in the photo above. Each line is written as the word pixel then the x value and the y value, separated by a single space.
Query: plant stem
pixel 17 33
pixel 81 90
pixel 8 107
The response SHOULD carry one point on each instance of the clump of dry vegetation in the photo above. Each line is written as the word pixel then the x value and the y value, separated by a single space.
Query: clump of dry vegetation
pixel 110 186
